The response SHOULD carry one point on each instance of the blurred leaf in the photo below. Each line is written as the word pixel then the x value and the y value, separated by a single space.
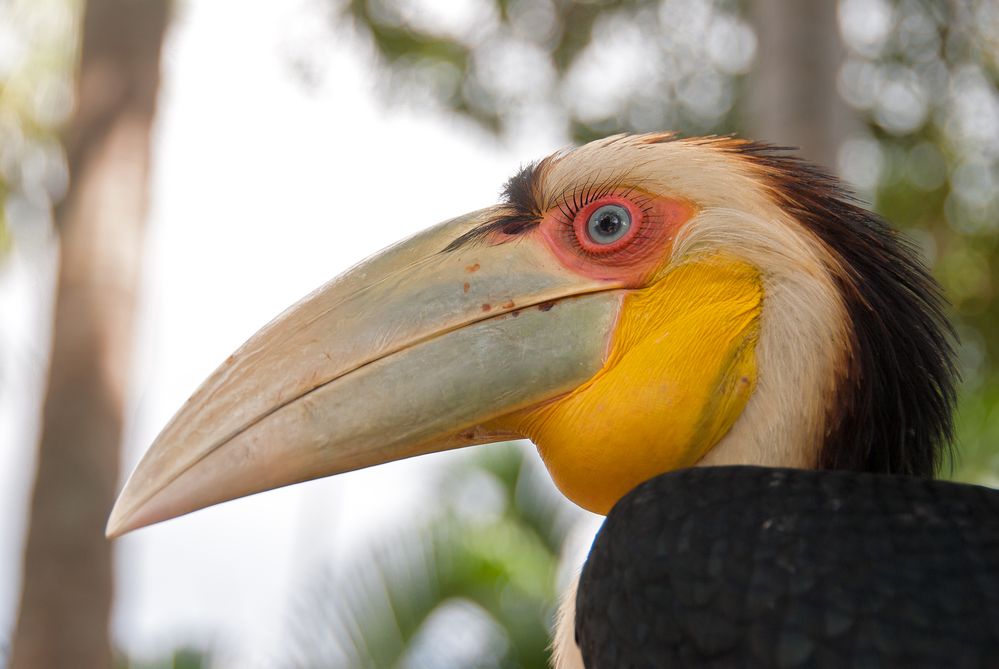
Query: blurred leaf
pixel 493 569
pixel 599 66
pixel 36 98
pixel 182 658
pixel 978 434
pixel 5 237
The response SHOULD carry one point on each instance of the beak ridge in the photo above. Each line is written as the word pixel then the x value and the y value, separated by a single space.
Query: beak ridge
pixel 410 352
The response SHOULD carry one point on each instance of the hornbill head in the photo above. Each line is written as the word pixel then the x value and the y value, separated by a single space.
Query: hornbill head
pixel 634 306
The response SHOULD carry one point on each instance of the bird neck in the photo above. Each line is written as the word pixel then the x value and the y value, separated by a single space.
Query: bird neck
pixel 894 391
pixel 804 343
pixel 856 364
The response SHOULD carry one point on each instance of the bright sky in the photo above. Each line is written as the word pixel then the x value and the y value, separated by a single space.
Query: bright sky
pixel 263 188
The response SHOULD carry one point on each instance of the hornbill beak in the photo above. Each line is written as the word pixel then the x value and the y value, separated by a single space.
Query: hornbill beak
pixel 416 350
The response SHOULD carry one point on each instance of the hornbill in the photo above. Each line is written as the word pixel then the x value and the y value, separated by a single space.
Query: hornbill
pixel 710 343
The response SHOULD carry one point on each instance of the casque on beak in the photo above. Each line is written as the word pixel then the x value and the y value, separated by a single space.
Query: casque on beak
pixel 410 352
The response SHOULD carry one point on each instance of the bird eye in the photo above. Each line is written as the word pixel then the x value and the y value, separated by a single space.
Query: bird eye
pixel 608 224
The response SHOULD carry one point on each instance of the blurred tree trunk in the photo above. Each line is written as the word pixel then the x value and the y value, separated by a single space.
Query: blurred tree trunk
pixel 793 100
pixel 67 583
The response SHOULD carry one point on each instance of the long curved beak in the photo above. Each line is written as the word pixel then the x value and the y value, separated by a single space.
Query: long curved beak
pixel 410 352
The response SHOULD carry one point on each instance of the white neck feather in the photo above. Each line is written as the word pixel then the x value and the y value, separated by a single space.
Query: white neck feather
pixel 803 336
pixel 565 652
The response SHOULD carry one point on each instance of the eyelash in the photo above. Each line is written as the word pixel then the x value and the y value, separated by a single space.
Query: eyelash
pixel 593 191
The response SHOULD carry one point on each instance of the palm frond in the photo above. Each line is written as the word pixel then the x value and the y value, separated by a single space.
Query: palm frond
pixel 463 590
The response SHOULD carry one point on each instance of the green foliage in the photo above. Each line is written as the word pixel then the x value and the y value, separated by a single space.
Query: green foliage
pixel 472 586
pixel 182 658
pixel 514 63
pixel 978 434
pixel 37 51
pixel 5 237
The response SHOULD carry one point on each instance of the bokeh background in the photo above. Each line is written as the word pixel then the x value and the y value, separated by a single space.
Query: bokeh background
pixel 173 174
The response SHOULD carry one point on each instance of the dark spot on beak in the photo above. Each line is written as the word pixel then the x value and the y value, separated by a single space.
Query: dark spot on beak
pixel 472 268
pixel 515 312
pixel 487 307
pixel 546 306
pixel 465 287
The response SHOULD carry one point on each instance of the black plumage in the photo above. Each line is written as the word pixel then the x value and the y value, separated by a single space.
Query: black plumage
pixel 758 567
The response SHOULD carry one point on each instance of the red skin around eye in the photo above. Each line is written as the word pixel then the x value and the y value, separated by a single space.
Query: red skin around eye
pixel 630 260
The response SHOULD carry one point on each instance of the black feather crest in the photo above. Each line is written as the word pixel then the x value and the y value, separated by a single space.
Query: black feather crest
pixel 523 206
